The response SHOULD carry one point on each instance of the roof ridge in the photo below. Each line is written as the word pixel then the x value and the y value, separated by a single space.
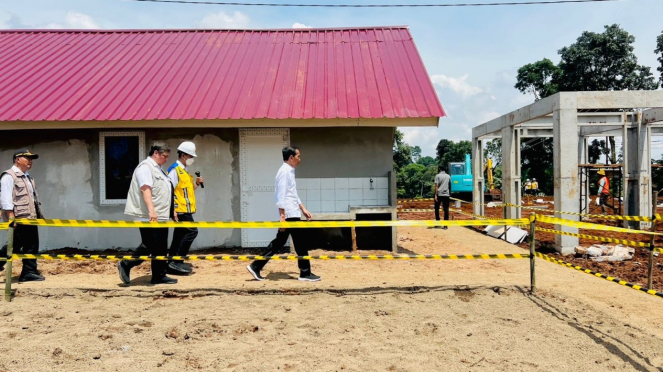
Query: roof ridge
pixel 159 30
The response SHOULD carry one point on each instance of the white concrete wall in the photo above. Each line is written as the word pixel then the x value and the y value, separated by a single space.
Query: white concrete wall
pixel 67 178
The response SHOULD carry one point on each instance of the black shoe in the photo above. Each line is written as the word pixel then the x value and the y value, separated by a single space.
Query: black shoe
pixel 163 280
pixel 255 273
pixel 30 277
pixel 124 272
pixel 310 278
pixel 2 265
pixel 178 268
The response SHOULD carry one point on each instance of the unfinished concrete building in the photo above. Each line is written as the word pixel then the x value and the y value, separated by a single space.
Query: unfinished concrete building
pixel 571 118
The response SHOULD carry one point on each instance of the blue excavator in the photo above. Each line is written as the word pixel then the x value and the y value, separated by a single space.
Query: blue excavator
pixel 462 179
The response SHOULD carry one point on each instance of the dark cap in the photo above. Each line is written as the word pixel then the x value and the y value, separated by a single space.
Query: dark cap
pixel 26 153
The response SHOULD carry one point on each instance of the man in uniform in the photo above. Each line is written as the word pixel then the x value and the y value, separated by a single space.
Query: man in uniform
pixel 604 191
pixel 19 198
pixel 185 206
pixel 150 198
pixel 442 195
pixel 535 187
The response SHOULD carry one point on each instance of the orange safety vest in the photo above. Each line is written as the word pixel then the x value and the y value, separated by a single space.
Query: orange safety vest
pixel 606 187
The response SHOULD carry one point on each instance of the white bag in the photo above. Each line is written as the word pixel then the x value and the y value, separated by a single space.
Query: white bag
pixel 598 200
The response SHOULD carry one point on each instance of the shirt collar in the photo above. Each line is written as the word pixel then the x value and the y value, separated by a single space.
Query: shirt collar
pixel 15 169
pixel 288 166
pixel 154 163
pixel 180 164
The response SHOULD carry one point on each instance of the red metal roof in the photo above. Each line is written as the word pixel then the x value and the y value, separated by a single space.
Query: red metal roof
pixel 81 75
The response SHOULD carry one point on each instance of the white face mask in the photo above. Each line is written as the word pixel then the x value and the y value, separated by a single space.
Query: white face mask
pixel 189 162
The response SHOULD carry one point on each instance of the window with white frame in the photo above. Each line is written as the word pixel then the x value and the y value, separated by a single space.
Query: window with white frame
pixel 119 154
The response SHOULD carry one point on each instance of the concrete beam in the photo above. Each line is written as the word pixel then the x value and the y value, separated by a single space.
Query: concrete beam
pixel 619 99
pixel 652 116
pixel 537 109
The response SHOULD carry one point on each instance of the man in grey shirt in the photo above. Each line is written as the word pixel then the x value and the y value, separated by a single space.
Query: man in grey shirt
pixel 442 194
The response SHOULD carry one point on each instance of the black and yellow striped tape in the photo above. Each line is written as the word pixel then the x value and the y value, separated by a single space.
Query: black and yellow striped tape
pixel 100 257
pixel 401 201
pixel 599 275
pixel 598 238
pixel 264 224
pixel 4 226
pixel 590 226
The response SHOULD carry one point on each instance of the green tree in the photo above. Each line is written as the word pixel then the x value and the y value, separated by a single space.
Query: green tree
pixel 493 150
pixel 659 51
pixel 416 154
pixel 402 152
pixel 596 61
pixel 595 149
pixel 537 78
pixel 449 151
pixel 427 161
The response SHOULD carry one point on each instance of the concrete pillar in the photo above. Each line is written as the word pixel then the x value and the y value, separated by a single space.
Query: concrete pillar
pixel 511 170
pixel 583 158
pixel 477 172
pixel 565 154
pixel 637 172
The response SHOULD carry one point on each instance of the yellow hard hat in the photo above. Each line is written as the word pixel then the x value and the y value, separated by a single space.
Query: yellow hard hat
pixel 601 172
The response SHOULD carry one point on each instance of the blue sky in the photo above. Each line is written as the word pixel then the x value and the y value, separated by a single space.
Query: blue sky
pixel 472 54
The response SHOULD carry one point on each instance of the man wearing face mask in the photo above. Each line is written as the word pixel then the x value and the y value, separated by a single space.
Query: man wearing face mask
pixel 184 185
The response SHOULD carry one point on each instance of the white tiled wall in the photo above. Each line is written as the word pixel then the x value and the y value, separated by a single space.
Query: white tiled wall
pixel 328 195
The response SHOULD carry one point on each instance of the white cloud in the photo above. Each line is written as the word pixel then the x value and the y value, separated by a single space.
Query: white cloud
pixel 74 20
pixel 225 20
pixel 458 85
pixel 300 25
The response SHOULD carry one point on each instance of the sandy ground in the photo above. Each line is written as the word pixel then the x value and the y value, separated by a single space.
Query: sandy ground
pixel 363 316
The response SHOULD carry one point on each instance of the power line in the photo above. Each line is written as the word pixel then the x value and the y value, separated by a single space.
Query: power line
pixel 202 2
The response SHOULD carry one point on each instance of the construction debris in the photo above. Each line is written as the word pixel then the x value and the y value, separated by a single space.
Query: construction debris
pixel 600 253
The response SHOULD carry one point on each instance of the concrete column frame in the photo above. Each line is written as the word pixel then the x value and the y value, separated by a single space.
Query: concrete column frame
pixel 511 170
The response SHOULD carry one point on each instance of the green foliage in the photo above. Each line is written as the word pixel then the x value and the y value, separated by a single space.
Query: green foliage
pixel 402 152
pixel 537 162
pixel 427 161
pixel 659 51
pixel 416 154
pixel 537 78
pixel 449 152
pixel 595 149
pixel 493 150
pixel 596 61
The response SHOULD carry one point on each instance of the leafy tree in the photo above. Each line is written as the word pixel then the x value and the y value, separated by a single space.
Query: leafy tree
pixel 493 150
pixel 449 151
pixel 537 78
pixel 596 61
pixel 427 161
pixel 595 149
pixel 537 162
pixel 659 50
pixel 416 153
pixel 402 152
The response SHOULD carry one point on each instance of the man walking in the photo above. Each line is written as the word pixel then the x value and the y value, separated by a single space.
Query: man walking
pixel 604 191
pixel 150 199
pixel 185 206
pixel 19 198
pixel 290 209
pixel 442 194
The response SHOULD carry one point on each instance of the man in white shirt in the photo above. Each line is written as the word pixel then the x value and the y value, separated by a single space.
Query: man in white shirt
pixel 290 209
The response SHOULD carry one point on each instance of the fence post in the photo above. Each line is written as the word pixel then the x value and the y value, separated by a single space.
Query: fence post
pixel 652 239
pixel 532 241
pixel 8 266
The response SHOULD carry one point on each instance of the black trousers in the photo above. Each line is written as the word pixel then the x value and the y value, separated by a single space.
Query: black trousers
pixel 445 206
pixel 277 244
pixel 183 237
pixel 603 200
pixel 154 243
pixel 26 241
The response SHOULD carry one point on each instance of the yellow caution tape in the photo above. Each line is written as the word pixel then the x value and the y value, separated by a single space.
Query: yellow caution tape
pixel 590 226
pixel 99 257
pixel 4 226
pixel 263 225
pixel 599 238
pixel 599 275
pixel 412 210
pixel 401 201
